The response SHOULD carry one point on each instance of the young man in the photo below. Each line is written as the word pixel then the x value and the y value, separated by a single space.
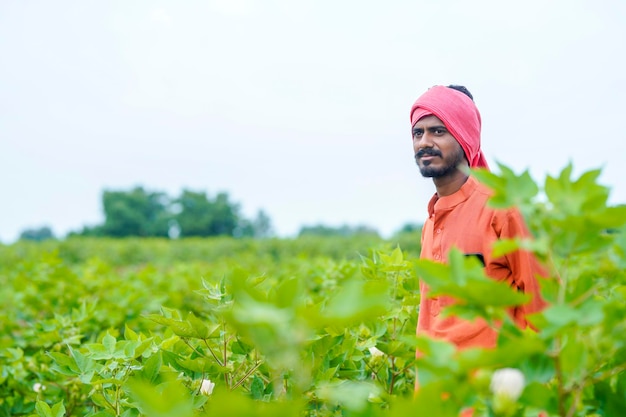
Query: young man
pixel 446 139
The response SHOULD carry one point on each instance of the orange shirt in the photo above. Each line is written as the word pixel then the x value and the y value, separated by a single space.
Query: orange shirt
pixel 464 221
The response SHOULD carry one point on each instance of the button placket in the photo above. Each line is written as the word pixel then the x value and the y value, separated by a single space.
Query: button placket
pixel 437 241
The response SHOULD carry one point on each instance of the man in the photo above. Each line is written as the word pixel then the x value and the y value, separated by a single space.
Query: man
pixel 446 129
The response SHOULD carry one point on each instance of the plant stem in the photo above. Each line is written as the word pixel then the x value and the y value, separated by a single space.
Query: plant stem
pixel 572 409
pixel 254 368
pixel 393 375
pixel 559 376
pixel 212 353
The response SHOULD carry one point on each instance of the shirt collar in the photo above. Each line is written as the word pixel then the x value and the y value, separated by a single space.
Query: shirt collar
pixel 449 201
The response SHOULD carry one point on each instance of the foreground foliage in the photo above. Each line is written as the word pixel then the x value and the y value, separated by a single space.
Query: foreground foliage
pixel 318 327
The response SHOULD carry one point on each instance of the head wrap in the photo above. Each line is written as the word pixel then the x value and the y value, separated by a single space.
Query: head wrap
pixel 460 116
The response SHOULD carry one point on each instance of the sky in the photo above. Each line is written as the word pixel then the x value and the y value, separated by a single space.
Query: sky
pixel 299 108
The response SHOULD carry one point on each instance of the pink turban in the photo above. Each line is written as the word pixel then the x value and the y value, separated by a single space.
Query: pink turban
pixel 460 116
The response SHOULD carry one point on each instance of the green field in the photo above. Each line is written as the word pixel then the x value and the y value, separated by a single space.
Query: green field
pixel 312 326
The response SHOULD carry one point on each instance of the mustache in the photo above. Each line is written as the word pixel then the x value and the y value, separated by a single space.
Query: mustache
pixel 427 151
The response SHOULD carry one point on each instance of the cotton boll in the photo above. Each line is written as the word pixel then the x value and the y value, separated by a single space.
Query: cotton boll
pixel 375 352
pixel 509 382
pixel 507 385
pixel 206 387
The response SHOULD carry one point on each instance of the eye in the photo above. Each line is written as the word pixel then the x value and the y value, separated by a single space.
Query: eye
pixel 417 133
pixel 439 132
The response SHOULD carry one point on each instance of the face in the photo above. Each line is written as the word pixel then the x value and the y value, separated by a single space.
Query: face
pixel 437 153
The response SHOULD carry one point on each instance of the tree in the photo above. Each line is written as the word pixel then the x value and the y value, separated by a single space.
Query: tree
pixel 37 234
pixel 260 227
pixel 154 214
pixel 135 213
pixel 197 215
pixel 345 230
pixel 410 228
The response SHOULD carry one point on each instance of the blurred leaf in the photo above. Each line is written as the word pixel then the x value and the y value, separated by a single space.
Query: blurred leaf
pixel 169 399
pixel 612 397
pixel 539 396
pixel 576 197
pixel 464 279
pixel 183 328
pixel 257 388
pixel 287 293
pixel 509 189
pixel 351 395
pixel 356 301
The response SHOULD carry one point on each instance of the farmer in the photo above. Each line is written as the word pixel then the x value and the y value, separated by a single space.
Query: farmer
pixel 446 139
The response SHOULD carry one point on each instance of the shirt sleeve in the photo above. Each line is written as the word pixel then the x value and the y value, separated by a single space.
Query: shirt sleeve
pixel 524 267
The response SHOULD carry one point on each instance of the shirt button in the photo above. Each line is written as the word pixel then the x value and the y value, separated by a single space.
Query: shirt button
pixel 437 256
pixel 438 231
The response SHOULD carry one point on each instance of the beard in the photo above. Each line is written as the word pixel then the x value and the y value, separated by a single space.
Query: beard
pixel 451 163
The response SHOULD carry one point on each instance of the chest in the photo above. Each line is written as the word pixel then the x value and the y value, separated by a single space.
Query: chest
pixel 471 229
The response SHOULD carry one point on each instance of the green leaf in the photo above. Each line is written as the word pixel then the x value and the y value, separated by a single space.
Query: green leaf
pixel 286 293
pixel 509 189
pixel 463 279
pixel 144 346
pixel 198 326
pixel 436 355
pixel 559 317
pixel 504 247
pixel 179 327
pixel 64 363
pixel 200 364
pixel 257 388
pixel 130 334
pixel 84 363
pixel 352 395
pixel 612 399
pixel 576 197
pixel 574 359
pixel 356 301
pixel 108 341
pixel 105 413
pixel 562 315
pixel 539 396
pixel 170 399
pixel 43 409
pixel 152 367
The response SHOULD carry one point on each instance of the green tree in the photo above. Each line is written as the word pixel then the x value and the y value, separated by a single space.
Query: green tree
pixel 345 230
pixel 37 234
pixel 135 213
pixel 410 228
pixel 197 215
pixel 260 227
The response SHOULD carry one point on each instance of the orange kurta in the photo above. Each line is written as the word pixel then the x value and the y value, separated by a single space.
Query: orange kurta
pixel 464 221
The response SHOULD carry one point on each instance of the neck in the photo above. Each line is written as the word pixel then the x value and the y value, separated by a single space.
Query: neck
pixel 450 184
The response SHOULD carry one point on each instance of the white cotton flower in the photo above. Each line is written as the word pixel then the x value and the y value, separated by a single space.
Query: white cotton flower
pixel 509 382
pixel 37 387
pixel 375 352
pixel 206 387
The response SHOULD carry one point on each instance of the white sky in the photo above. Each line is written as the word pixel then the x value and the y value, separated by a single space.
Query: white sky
pixel 299 108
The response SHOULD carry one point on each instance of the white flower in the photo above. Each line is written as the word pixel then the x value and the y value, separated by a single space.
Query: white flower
pixel 509 382
pixel 376 353
pixel 37 387
pixel 206 387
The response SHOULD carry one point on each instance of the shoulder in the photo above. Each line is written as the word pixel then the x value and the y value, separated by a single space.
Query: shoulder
pixel 500 217
pixel 480 188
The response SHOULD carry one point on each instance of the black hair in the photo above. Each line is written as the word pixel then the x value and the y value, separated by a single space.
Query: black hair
pixel 462 89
